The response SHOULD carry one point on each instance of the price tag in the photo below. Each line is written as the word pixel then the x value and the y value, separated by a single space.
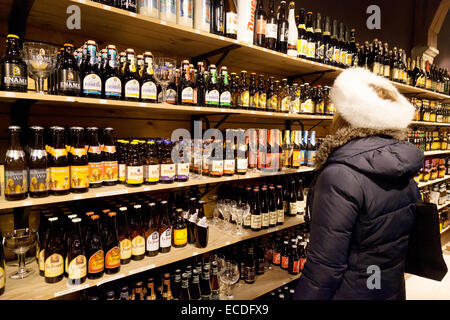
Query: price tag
pixel 197 108
pixel 147 189
pixel 121 275
pixel 197 31
pixel 221 38
pixel 106 7
pixel 195 253
pixel 270 113
pixel 111 193
pixel 82 1
pixel 252 112
pixel 74 289
pixel 264 49
pixel 27 203
pixel 247 176
pixel 222 110
pixel 163 22
pixel 132 14
pixel 284 55
pixel 77 197
pixel 70 99
pixel 227 243
pixel 235 41
pixel 142 104
pixel 10 94
pixel 228 178
pixel 181 184
pixel 142 269
pixel 103 101
pixel 250 45
pixel 286 114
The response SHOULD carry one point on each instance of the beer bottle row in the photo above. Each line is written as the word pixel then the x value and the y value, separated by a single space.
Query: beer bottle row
pixel 88 243
pixel 430 111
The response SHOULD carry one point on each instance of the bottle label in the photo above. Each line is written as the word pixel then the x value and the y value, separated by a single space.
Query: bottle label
pixel 302 263
pixel 273 102
pixel 138 246
pixel 320 52
pixel 135 174
pixel 249 274
pixel 231 23
pixel 265 219
pixel 182 170
pixel 77 268
pixel 296 266
pixel 276 258
pixel 187 95
pixel 215 295
pixel 213 97
pixel 302 47
pixel 153 173
pixel 273 217
pixel 296 160
pixel 285 104
pixel 311 49
pixel 16 182
pixel 293 208
pixel 171 96
pixel 311 157
pixel 122 172
pixel 41 260
pixel 113 87
pixel 59 178
pixel 256 221
pixel 280 215
pixel 228 166
pixel 308 106
pixel 165 240
pixel 15 76
pixel 225 99
pixel 167 172
pixel 54 266
pixel 343 60
pixel 320 107
pixel 254 100
pixel 79 177
pixel 132 89
pixel 110 170
pixel 248 221
pixel 125 249
pixel 216 168
pixel 69 80
pixel 180 237
pixel 245 98
pixel 284 262
pixel 96 262
pixel 148 91
pixel 92 84
pixel 242 164
pixel 153 242
pixel 336 55
pixel 2 278
pixel 261 26
pixel 271 30
pixel 349 60
pixel 112 258
pixel 95 172
pixel 262 100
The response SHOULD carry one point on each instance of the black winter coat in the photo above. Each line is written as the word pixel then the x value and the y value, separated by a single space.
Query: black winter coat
pixel 362 211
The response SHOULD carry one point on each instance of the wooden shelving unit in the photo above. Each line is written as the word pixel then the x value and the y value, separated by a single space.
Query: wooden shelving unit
pixel 436 153
pixel 429 183
pixel 429 124
pixel 35 288
pixel 263 284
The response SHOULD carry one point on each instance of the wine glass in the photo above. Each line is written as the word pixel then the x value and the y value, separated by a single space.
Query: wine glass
pixel 286 153
pixel 229 275
pixel 220 210
pixel 240 209
pixel 164 72
pixel 20 241
pixel 226 206
pixel 41 62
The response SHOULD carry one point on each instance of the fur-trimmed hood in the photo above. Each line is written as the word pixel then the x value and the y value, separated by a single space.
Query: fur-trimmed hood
pixel 375 152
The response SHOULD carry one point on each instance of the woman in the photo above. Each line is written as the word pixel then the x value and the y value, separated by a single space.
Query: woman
pixel 362 203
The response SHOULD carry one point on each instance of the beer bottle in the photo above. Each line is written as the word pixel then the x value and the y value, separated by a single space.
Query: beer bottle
pixel 273 215
pixel 59 164
pixel 241 154
pixel 272 96
pixel 295 161
pixel 253 93
pixel 136 233
pixel 150 293
pixel 229 163
pixel 234 90
pixel 265 215
pixel 212 95
pixel 284 98
pixel 91 84
pixel 283 28
pixel 130 80
pixel 151 231
pixel 328 42
pixel 194 286
pixel 292 31
pixel 216 160
pixel 122 159
pixel 311 149
pixel 54 252
pixel 292 199
pixel 302 43
pixel 129 5
pixel 260 25
pixel 112 84
pixel 285 256
pixel 76 256
pixel 319 41
pixel 344 50
pixel 279 205
pixel 109 158
pixel 191 218
pixel 168 168
pixel 300 197
pixel 164 229
pixel 186 92
pixel 200 87
pixel 205 285
pixel 94 250
pixel 217 23
pixel 152 167
pixel 231 19
pixel 94 158
pixel 271 27
pixel 135 168
pixel 182 165
pixel 79 163
pixel 112 246
pixel 184 293
pixel 244 91
pixel 294 261
pixel 2 268
pixel 124 236
pixel 255 211
pixel 149 91
pixel 250 265
pixel 39 173
pixel 42 239
pixel 16 175
pixel 68 73
pixel 13 69
pixel 225 94
pixel 180 233
pixel 311 53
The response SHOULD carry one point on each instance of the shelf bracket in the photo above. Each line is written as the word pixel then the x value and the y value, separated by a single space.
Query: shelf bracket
pixel 224 51
pixel 318 123
pixel 289 124
pixel 225 117
pixel 199 117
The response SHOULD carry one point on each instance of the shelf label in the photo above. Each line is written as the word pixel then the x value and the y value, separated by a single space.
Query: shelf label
pixel 236 41
pixel 132 14
pixel 142 269
pixel 82 1
pixel 247 176
pixel 221 38
pixel 111 193
pixel 102 101
pixel 264 49
pixel 250 45
pixel 197 108
pixel 27 203
pixel 10 94
pixel 163 22
pixel 270 113
pixel 74 289
pixel 228 178
pixel 284 55
pixel 147 189
pixel 106 7
pixel 77 197
pixel 227 243
pixel 181 184
pixel 195 253
pixel 70 99
pixel 197 31
pixel 253 112
pixel 223 110
pixel 142 104
pixel 121 275
pixel 286 114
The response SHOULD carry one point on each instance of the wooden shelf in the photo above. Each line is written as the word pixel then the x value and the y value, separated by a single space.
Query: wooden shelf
pixel 263 284
pixel 429 183
pixel 445 230
pixel 122 189
pixel 424 123
pixel 35 288
pixel 441 206
pixel 435 153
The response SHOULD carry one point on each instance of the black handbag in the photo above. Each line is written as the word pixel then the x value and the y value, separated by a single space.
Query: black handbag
pixel 425 257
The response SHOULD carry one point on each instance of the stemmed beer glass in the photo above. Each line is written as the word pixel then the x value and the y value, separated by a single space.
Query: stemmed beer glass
pixel 164 72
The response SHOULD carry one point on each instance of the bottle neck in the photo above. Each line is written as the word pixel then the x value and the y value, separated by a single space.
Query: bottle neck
pixel 15 141
pixel 38 141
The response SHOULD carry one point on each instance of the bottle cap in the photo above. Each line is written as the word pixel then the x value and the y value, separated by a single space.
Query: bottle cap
pixel 12 36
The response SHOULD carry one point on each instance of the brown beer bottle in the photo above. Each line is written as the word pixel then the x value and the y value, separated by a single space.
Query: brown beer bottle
pixel 54 251
pixel 15 168
pixel 79 168
pixel 180 234
pixel 137 234
pixel 164 230
pixel 59 164
pixel 2 268
pixel 109 158
pixel 95 158
pixel 135 166
pixel 94 249
pixel 151 232
pixel 76 255
pixel 112 245
pixel 124 236
pixel 37 162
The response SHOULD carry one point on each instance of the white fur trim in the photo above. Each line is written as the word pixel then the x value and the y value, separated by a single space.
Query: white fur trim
pixel 360 105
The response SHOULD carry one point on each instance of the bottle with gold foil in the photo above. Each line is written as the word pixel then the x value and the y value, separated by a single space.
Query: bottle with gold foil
pixel 272 98
pixel 54 252
pixel 112 245
pixel 179 239
pixel 124 236
pixel 137 233
pixel 94 250
pixel 76 255
pixel 165 228
pixel 262 105
pixel 79 164
pixel 59 164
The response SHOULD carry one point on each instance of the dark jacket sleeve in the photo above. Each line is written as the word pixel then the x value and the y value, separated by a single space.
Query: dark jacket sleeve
pixel 334 210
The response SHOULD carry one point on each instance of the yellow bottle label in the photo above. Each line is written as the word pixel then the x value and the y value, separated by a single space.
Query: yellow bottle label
pixel 245 98
pixel 54 266
pixel 138 246
pixel 97 262
pixel 77 268
pixel 59 178
pixel 110 170
pixel 262 101
pixel 112 258
pixel 296 159
pixel 95 172
pixel 41 260
pixel 2 277
pixel 125 249
pixel 180 237
pixel 79 177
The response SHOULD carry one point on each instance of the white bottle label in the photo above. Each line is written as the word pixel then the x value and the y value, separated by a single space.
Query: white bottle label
pixel 148 91
pixel 182 170
pixel 132 89
pixel 265 219
pixel 135 175
pixel 242 164
pixel 213 97
pixel 225 98
pixel 153 242
pixel 113 87
pixel 228 166
pixel 165 240
pixel 292 208
pixel 273 217
pixel 256 221
pixel 187 95
pixel 248 220
pixel 231 23
pixel 280 215
pixel 271 30
pixel 92 84
pixel 216 167
pixel 311 49
pixel 153 173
